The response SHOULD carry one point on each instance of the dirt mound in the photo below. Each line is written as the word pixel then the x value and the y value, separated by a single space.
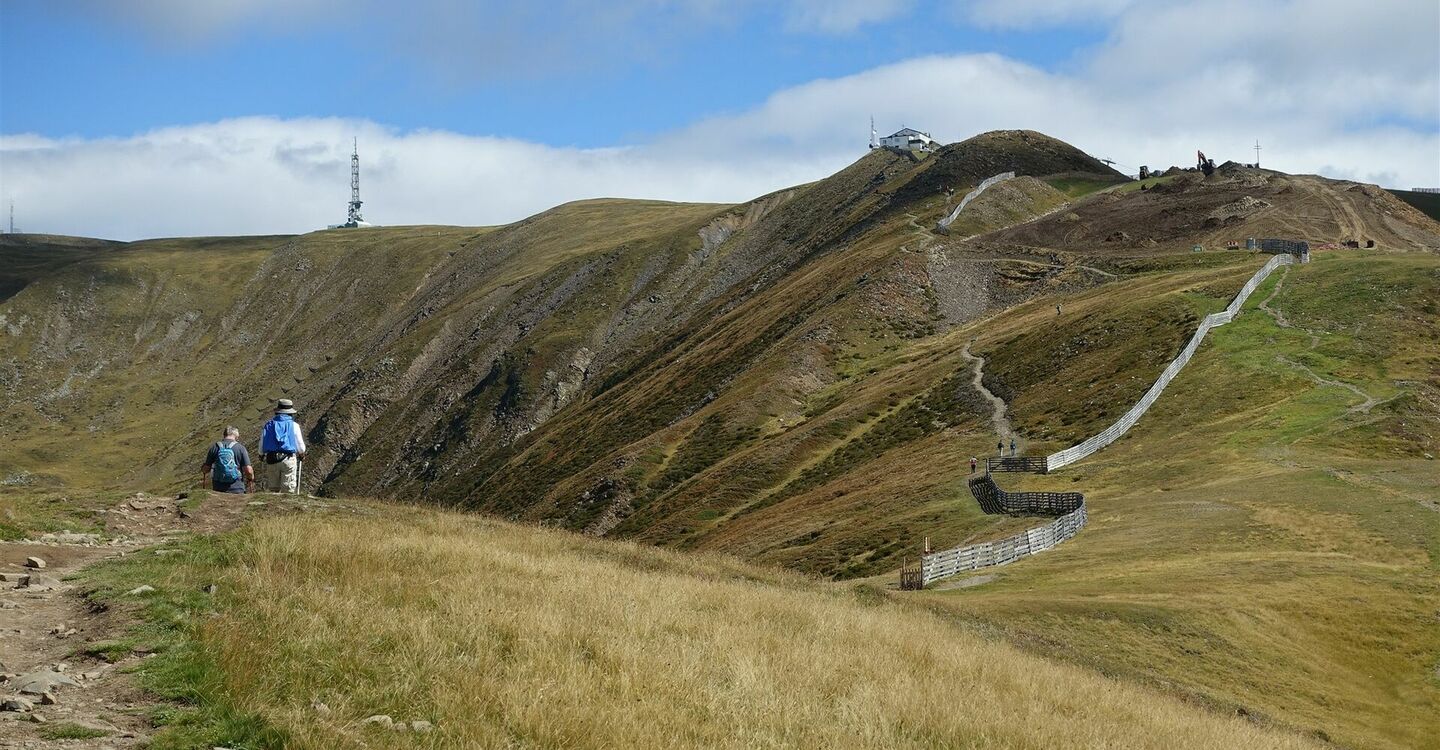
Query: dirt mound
pixel 1024 152
pixel 1190 209
pixel 1246 206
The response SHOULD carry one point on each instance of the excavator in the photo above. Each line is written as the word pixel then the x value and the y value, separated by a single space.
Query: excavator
pixel 1204 165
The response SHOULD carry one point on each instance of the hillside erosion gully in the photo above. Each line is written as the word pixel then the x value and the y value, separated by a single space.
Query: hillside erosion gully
pixel 1068 508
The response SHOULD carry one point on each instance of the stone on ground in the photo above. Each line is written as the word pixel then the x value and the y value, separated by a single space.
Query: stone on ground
pixel 44 681
pixel 40 582
pixel 380 720
pixel 70 537
pixel 16 703
pixel 34 562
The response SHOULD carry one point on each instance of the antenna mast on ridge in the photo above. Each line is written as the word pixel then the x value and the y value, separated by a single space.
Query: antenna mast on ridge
pixel 1257 153
pixel 874 139
pixel 354 217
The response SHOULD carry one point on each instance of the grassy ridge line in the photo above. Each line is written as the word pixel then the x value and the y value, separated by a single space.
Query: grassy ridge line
pixel 508 636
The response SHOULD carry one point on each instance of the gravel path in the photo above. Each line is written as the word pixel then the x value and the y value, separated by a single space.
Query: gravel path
pixel 45 622
pixel 998 417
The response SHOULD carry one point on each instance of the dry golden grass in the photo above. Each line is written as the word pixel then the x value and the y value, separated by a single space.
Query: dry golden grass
pixel 508 636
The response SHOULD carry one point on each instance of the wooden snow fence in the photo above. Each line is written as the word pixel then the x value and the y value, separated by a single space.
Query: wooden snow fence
pixel 1068 508
pixel 1026 464
pixel 1124 423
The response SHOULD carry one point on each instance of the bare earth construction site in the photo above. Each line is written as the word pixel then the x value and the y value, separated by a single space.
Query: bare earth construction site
pixel 759 415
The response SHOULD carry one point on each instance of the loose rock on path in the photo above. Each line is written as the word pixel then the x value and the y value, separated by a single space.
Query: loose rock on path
pixel 45 677
pixel 998 416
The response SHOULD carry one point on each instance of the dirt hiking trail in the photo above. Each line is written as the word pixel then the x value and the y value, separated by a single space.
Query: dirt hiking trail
pixel 50 686
pixel 998 418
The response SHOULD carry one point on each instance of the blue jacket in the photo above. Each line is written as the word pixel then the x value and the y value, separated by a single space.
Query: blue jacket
pixel 279 435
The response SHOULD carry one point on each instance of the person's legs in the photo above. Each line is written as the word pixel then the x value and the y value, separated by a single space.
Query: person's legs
pixel 280 477
pixel 285 475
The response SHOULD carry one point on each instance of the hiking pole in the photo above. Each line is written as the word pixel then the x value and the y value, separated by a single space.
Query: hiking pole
pixel 299 463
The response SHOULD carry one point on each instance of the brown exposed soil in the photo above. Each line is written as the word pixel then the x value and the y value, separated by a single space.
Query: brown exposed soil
pixel 45 630
pixel 1234 204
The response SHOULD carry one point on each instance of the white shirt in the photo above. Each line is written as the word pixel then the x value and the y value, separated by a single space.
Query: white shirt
pixel 299 438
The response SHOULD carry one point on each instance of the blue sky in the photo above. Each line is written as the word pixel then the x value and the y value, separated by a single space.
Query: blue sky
pixel 148 117
pixel 68 70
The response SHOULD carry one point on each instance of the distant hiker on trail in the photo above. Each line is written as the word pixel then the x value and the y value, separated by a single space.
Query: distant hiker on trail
pixel 227 465
pixel 973 463
pixel 283 448
pixel 1012 446
pixel 1000 448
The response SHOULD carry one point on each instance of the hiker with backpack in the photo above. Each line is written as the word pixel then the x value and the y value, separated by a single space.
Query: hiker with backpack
pixel 282 447
pixel 227 465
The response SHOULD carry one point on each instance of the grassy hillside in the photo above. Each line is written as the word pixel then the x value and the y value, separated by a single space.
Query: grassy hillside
pixel 1262 539
pixel 505 636
pixel 604 365
pixel 783 381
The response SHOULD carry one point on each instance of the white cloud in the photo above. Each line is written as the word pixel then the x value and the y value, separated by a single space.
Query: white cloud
pixel 844 16
pixel 1025 14
pixel 188 21
pixel 265 175
pixel 1166 82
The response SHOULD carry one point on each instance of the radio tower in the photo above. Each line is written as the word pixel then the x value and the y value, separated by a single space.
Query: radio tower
pixel 354 219
pixel 1257 153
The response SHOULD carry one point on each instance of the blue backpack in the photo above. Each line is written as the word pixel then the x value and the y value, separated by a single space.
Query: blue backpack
pixel 226 470
pixel 279 435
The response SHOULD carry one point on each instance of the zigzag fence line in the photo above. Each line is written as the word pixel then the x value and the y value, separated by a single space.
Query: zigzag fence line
pixel 1123 424
pixel 1026 464
pixel 1068 507
pixel 944 224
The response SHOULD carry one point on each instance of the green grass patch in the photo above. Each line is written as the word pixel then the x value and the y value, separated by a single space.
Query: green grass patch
pixel 1075 187
pixel 111 651
pixel 202 712
pixel 27 513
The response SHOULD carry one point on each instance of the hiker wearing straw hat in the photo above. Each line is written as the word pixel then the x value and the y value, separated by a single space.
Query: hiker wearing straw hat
pixel 282 447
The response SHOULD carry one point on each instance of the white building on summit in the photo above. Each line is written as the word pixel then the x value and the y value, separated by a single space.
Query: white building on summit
pixel 909 139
